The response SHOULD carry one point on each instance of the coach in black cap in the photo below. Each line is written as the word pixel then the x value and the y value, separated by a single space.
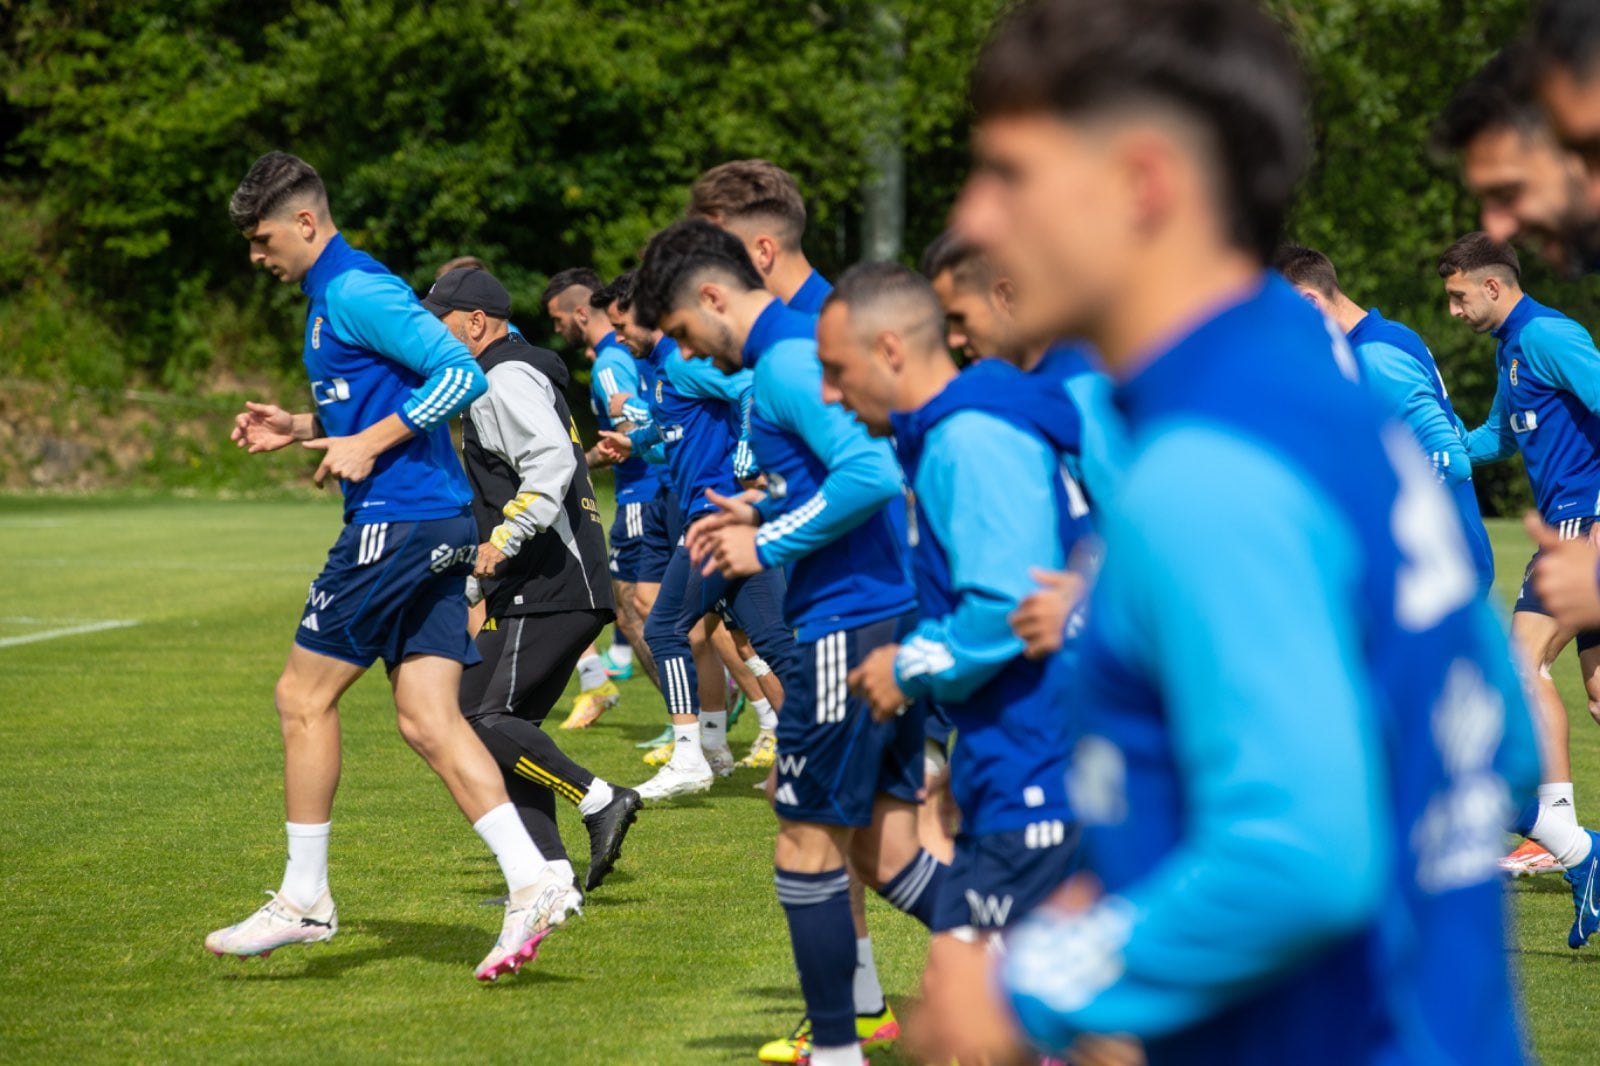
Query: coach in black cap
pixel 542 565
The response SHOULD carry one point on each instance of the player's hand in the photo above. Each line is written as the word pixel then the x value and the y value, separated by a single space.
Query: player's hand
pixel 615 446
pixel 874 681
pixel 345 458
pixel 263 427
pixel 729 551
pixel 1041 619
pixel 598 458
pixel 1565 577
pixel 490 559
pixel 961 1017
pixel 737 510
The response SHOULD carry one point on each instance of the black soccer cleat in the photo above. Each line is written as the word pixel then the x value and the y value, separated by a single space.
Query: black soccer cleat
pixel 607 828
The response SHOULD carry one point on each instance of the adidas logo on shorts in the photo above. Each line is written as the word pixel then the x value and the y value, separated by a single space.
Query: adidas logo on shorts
pixel 786 796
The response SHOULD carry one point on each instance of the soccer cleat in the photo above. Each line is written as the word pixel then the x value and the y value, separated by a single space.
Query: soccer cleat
pixel 673 781
pixel 277 923
pixel 873 1030
pixel 663 737
pixel 763 753
pixel 659 756
pixel 587 708
pixel 1528 860
pixel 720 760
pixel 531 914
pixel 614 671
pixel 607 827
pixel 1585 881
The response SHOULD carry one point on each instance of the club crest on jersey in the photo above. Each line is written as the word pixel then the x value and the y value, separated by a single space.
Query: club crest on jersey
pixel 1514 371
pixel 658 390
pixel 316 333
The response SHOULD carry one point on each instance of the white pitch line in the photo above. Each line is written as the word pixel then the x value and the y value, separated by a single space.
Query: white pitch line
pixel 68 631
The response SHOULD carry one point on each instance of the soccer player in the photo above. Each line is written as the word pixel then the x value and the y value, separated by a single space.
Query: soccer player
pixel 1397 365
pixel 386 378
pixel 761 204
pixel 1547 408
pixel 984 451
pixel 566 300
pixel 1286 652
pixel 1530 189
pixel 844 785
pixel 696 415
pixel 1566 68
pixel 541 569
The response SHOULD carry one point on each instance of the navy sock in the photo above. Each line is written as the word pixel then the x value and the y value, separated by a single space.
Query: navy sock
pixel 824 939
pixel 1525 819
pixel 915 889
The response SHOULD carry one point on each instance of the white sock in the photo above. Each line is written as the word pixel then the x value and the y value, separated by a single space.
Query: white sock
pixel 869 993
pixel 621 654
pixel 686 753
pixel 305 877
pixel 848 1055
pixel 518 855
pixel 591 672
pixel 713 730
pixel 563 869
pixel 1556 797
pixel 766 717
pixel 596 798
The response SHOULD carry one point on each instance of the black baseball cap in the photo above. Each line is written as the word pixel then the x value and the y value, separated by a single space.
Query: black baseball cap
pixel 468 289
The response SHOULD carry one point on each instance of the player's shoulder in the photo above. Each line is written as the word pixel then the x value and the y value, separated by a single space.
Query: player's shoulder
pixel 367 281
pixel 1200 467
pixel 1555 333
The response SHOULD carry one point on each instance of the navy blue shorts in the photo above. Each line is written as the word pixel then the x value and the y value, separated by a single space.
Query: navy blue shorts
pixel 393 589
pixel 833 759
pixel 997 878
pixel 662 529
pixel 1528 600
pixel 629 540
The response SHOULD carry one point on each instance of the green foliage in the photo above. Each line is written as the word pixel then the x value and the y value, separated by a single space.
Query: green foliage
pixel 543 135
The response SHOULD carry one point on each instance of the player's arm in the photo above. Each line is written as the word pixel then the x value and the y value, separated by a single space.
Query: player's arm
pixel 613 376
pixel 862 472
pixel 1561 352
pixel 986 489
pixel 1104 447
pixel 1285 844
pixel 1495 439
pixel 1405 386
pixel 518 421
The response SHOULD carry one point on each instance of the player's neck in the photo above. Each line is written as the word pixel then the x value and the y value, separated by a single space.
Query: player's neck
pixel 1512 298
pixel 918 389
pixel 789 273
pixel 1346 313
pixel 1171 293
pixel 595 331
pixel 744 308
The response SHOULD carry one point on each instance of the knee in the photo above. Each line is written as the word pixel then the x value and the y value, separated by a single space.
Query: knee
pixel 425 731
pixel 298 705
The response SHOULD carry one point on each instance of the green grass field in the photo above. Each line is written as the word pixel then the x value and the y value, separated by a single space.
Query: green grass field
pixel 141 797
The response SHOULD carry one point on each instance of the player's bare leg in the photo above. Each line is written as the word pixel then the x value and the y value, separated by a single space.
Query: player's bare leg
pixel 1539 639
pixel 631 622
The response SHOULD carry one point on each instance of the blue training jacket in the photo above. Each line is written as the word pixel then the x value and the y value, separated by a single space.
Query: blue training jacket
pixel 1546 405
pixel 372 350
pixel 1399 368
pixel 827 483
pixel 616 371
pixel 993 499
pixel 696 414
pixel 1301 732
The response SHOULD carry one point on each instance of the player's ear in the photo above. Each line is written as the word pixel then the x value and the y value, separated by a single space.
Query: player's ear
pixel 766 254
pixel 305 221
pixel 712 297
pixel 1491 287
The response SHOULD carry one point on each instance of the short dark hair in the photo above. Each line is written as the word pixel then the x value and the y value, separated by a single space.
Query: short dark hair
pixel 965 261
pixel 612 292
pixel 460 262
pixel 750 188
pixel 1566 33
pixel 272 182
pixel 868 287
pixel 1479 251
pixel 1225 64
pixel 1308 267
pixel 571 278
pixel 678 256
pixel 1498 96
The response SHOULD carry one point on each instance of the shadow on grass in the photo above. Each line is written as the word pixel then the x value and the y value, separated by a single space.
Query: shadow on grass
pixel 450 945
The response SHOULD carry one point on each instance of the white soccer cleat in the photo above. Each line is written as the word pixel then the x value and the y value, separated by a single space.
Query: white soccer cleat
pixel 279 922
pixel 720 760
pixel 673 781
pixel 531 914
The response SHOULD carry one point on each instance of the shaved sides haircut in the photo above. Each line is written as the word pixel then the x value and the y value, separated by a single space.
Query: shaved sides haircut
pixel 888 296
pixel 751 189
